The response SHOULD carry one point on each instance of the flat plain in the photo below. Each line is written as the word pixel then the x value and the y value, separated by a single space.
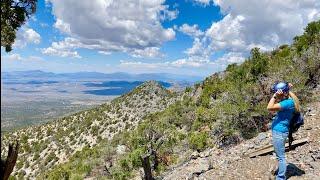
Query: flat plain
pixel 36 97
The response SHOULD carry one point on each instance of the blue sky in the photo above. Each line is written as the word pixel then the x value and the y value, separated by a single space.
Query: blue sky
pixel 196 37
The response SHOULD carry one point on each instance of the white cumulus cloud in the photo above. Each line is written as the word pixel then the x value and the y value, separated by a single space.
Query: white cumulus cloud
pixel 63 27
pixel 104 52
pixel 250 23
pixel 124 25
pixel 63 48
pixel 11 57
pixel 26 36
pixel 263 23
pixel 230 58
pixel 203 2
pixel 60 52
pixel 147 52
pixel 226 34
pixel 191 30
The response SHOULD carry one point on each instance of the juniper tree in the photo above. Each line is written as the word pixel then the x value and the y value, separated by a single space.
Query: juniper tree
pixel 14 13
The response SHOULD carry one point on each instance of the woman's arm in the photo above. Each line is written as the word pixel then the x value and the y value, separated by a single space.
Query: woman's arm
pixel 272 105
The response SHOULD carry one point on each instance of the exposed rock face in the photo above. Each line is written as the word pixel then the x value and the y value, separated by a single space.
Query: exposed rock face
pixel 44 146
pixel 190 169
pixel 303 161
pixel 121 149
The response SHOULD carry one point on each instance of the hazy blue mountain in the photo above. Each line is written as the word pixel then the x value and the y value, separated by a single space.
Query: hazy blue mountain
pixel 116 87
pixel 26 74
pixel 78 76
pixel 121 84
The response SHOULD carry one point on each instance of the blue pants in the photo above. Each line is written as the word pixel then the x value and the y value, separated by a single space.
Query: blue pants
pixel 278 141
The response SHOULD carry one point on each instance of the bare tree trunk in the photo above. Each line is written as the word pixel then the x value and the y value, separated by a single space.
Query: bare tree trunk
pixel 156 160
pixel 8 165
pixel 146 167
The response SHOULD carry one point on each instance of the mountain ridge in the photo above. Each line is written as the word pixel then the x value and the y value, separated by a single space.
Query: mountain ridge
pixel 86 128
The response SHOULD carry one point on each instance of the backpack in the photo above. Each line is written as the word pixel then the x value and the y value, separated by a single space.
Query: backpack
pixel 296 122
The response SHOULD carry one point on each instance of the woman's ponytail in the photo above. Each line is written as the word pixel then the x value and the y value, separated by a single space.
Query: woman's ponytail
pixel 296 101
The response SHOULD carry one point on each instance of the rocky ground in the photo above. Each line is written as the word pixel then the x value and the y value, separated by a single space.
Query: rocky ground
pixel 303 161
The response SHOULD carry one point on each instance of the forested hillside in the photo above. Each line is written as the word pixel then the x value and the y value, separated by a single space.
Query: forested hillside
pixel 43 147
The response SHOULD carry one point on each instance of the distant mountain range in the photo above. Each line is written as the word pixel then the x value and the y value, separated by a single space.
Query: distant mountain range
pixel 79 76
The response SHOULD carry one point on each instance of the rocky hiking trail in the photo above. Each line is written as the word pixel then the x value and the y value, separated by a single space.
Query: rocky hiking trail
pixel 303 161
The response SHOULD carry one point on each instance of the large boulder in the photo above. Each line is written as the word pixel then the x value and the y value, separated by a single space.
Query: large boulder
pixel 189 170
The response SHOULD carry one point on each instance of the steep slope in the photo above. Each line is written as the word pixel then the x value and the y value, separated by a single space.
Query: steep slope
pixel 232 107
pixel 45 146
pixel 304 161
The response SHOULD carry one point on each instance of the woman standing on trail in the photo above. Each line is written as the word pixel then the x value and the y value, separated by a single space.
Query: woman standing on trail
pixel 285 103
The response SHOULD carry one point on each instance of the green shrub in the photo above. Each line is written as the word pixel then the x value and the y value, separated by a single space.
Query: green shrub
pixel 21 174
pixel 50 157
pixel 119 174
pixel 188 89
pixel 26 164
pixel 24 138
pixel 26 147
pixel 83 168
pixel 76 177
pixel 59 173
pixel 259 63
pixel 94 130
pixel 198 140
pixel 124 164
pixel 311 32
pixel 19 165
pixel 134 157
